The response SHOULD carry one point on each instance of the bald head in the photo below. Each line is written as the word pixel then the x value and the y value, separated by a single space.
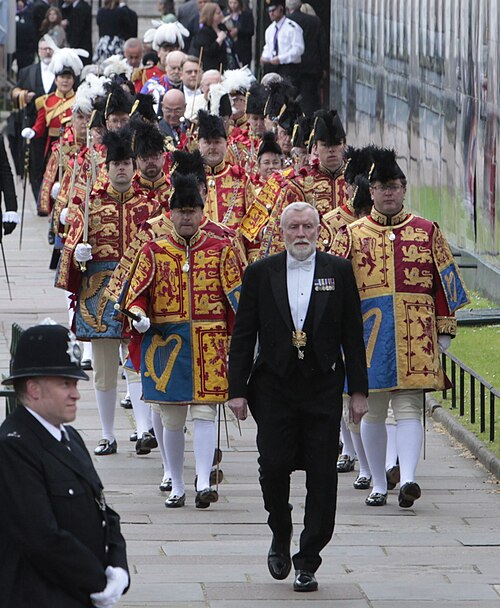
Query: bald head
pixel 173 107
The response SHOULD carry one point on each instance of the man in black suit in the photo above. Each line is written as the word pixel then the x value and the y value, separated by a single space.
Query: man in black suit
pixel 302 306
pixel 79 29
pixel 33 81
pixel 173 125
pixel 61 543
pixel 314 62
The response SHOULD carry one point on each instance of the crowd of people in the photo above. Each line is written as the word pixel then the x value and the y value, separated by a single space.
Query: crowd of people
pixel 192 206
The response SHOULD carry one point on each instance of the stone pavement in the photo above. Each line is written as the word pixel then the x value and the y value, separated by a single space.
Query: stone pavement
pixel 443 552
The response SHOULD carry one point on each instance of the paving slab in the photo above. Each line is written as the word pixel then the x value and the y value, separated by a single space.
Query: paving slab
pixel 443 552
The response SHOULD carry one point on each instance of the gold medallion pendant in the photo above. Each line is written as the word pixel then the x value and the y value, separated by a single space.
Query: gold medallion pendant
pixel 299 340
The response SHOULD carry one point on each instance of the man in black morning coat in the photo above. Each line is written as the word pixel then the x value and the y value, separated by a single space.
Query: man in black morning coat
pixel 303 307
pixel 61 545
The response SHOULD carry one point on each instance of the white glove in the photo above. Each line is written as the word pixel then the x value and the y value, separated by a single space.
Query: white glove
pixel 55 190
pixel 444 341
pixel 117 581
pixel 62 217
pixel 28 133
pixel 142 325
pixel 83 252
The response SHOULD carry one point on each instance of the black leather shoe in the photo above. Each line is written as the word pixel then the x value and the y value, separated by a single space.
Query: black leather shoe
pixel 174 502
pixel 86 364
pixel 375 499
pixel 408 494
pixel 305 581
pixel 204 498
pixel 166 484
pixel 345 464
pixel 279 560
pixel 145 444
pixel 126 403
pixel 393 476
pixel 361 483
pixel 133 436
pixel 105 447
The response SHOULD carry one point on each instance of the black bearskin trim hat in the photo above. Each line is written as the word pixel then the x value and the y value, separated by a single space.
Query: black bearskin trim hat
pixel 256 99
pixel 118 144
pixel 279 93
pixel 185 192
pixel 185 163
pixel 210 126
pixel 143 108
pixel 384 166
pixel 289 115
pixel 117 100
pixel 301 132
pixel 328 127
pixel 147 139
pixel 358 162
pixel 362 200
pixel 269 144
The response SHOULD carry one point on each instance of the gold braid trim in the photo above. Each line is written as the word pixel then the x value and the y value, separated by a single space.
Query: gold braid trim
pixel 446 325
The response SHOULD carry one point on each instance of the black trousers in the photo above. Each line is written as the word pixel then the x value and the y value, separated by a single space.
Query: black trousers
pixel 298 421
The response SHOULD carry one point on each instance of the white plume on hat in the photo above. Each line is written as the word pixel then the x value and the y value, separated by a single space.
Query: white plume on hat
pixel 65 58
pixel 215 93
pixel 238 80
pixel 116 65
pixel 171 33
pixel 91 88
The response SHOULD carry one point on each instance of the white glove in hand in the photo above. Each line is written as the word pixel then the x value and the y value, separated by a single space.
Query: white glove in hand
pixel 117 581
pixel 444 341
pixel 55 190
pixel 28 133
pixel 83 252
pixel 142 325
pixel 62 217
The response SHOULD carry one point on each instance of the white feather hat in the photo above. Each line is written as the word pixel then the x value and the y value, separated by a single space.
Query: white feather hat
pixel 170 33
pixel 239 80
pixel 65 58
pixel 91 88
pixel 116 65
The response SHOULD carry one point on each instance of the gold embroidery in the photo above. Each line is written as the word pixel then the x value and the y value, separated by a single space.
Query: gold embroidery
pixel 167 359
pixel 409 233
pixel 414 277
pixel 372 340
pixel 91 291
pixel 415 254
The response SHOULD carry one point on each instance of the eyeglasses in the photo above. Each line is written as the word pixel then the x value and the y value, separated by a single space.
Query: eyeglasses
pixel 388 187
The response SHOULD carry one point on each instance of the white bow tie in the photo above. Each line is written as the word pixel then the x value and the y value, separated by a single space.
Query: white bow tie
pixel 302 264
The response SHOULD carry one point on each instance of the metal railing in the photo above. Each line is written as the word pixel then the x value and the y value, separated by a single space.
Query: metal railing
pixel 475 389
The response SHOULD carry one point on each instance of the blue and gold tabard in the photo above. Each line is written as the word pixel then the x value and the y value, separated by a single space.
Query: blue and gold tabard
pixel 190 292
pixel 114 218
pixel 410 288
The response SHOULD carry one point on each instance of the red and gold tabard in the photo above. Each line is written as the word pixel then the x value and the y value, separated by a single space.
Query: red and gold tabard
pixel 242 148
pixel 57 163
pixel 114 219
pixel 260 226
pixel 53 110
pixel 141 75
pixel 332 222
pixel 154 229
pixel 158 190
pixel 322 188
pixel 190 292
pixel 410 288
pixel 229 194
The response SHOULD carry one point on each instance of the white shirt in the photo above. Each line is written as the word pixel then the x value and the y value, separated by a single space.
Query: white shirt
pixel 290 41
pixel 47 77
pixel 55 431
pixel 299 282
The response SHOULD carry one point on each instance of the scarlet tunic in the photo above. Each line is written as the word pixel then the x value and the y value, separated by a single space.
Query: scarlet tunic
pixel 54 110
pixel 190 292
pixel 114 218
pixel 410 288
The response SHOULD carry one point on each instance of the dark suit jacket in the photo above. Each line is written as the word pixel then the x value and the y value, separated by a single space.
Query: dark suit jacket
pixel 7 188
pixel 333 322
pixel 30 78
pixel 79 31
pixel 214 54
pixel 132 21
pixel 56 541
pixel 315 58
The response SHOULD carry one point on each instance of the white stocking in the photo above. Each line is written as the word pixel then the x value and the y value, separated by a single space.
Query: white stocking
pixel 106 404
pixel 142 411
pixel 409 436
pixel 174 447
pixel 204 446
pixel 364 467
pixel 159 434
pixel 345 435
pixel 391 453
pixel 375 439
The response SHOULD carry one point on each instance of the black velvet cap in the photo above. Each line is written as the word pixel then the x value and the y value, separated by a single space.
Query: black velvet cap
pixel 185 192
pixel 118 144
pixel 269 144
pixel 210 126
pixel 328 127
pixel 185 163
pixel 147 139
pixel 384 166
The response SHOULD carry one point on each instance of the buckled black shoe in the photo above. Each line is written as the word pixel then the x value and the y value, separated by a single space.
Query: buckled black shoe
pixel 279 560
pixel 408 494
pixel 126 403
pixel 174 502
pixel 345 464
pixel 106 447
pixel 86 364
pixel 145 444
pixel 393 476
pixel 375 499
pixel 133 436
pixel 166 484
pixel 305 581
pixel 204 498
pixel 362 483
